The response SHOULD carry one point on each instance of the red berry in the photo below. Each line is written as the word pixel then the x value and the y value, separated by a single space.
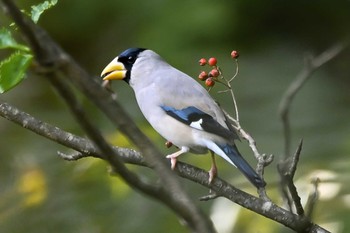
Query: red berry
pixel 212 61
pixel 202 62
pixel 214 73
pixel 209 82
pixel 234 54
pixel 203 75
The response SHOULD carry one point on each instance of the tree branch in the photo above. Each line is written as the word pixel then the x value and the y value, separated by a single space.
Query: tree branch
pixel 288 165
pixel 52 58
pixel 287 169
pixel 107 152
pixel 263 159
pixel 86 148
pixel 54 61
pixel 312 199
pixel 311 65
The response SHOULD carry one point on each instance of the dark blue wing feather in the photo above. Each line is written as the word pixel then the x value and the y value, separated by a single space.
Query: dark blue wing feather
pixel 192 114
pixel 184 115
pixel 232 153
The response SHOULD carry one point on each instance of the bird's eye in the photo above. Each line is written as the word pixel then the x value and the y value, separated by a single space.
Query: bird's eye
pixel 131 59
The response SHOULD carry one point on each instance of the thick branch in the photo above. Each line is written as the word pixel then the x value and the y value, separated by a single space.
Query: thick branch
pixel 107 152
pixel 221 187
pixel 50 56
pixel 52 59
pixel 64 138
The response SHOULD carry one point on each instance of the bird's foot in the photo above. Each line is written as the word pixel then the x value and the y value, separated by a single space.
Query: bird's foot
pixel 213 172
pixel 173 160
pixel 173 157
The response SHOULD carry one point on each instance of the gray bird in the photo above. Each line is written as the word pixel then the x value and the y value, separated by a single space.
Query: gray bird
pixel 179 109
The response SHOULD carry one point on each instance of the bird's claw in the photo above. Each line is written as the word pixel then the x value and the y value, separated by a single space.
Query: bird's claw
pixel 173 160
pixel 213 170
pixel 212 173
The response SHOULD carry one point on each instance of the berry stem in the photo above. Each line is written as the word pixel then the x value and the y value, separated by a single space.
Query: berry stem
pixel 235 106
pixel 227 83
pixel 237 70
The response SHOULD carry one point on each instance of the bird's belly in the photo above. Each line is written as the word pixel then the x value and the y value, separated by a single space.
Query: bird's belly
pixel 178 133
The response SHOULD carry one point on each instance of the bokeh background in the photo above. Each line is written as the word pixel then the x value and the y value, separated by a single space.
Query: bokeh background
pixel 39 192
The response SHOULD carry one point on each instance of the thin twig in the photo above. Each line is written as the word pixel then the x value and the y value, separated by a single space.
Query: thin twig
pixel 227 83
pixel 262 159
pixel 251 142
pixel 236 73
pixel 287 169
pixel 312 199
pixel 311 65
pixel 287 166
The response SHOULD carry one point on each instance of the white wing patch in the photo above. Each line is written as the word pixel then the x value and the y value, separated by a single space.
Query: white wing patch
pixel 197 124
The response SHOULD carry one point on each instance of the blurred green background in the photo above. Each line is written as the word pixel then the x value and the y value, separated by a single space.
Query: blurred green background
pixel 39 192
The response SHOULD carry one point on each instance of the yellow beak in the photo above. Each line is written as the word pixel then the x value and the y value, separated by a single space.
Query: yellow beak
pixel 114 70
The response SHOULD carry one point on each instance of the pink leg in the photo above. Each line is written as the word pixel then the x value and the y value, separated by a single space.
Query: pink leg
pixel 173 157
pixel 213 170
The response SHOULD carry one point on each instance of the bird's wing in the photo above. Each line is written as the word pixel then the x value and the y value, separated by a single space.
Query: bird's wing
pixel 198 119
pixel 183 96
pixel 176 89
pixel 180 96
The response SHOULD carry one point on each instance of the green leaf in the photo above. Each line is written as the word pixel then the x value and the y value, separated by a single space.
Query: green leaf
pixel 37 10
pixel 12 70
pixel 7 41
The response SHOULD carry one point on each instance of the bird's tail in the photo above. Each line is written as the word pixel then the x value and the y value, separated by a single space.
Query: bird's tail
pixel 236 158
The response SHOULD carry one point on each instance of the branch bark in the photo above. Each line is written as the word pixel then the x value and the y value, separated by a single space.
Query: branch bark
pixel 56 63
pixel 52 59
pixel 86 148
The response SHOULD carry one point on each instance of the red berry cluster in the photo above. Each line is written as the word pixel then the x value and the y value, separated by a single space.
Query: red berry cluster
pixel 210 77
pixel 214 73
